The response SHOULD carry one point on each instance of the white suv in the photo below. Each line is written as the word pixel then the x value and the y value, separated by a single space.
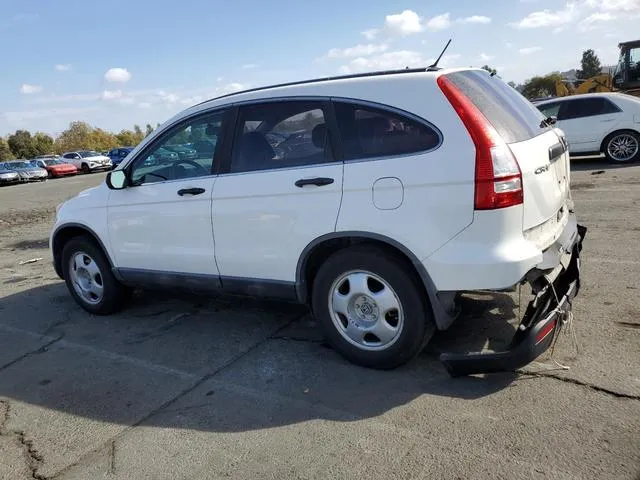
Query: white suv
pixel 375 199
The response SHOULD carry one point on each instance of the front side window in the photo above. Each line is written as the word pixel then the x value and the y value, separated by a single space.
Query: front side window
pixel 368 132
pixel 161 162
pixel 280 135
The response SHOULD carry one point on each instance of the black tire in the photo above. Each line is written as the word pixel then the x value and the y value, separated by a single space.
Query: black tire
pixel 616 135
pixel 114 293
pixel 85 168
pixel 418 327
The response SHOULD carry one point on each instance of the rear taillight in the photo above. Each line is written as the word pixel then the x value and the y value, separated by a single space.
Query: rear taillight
pixel 498 180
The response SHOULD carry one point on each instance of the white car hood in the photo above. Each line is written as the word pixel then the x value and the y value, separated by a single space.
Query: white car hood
pixel 96 158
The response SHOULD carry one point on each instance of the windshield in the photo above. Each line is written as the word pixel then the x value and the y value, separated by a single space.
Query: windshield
pixel 52 162
pixel 19 165
pixel 89 153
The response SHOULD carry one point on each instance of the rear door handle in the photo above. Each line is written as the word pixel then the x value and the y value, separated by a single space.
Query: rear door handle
pixel 190 191
pixel 318 181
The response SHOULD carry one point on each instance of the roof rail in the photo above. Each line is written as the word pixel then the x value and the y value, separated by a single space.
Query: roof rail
pixel 322 79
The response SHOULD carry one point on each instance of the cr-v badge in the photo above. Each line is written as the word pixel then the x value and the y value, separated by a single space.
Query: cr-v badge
pixel 542 169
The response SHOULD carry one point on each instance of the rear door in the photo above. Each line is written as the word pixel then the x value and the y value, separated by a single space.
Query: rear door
pixel 541 155
pixel 282 190
pixel 586 121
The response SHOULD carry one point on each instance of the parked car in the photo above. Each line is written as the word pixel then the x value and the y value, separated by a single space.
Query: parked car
pixel 596 123
pixel 412 186
pixel 55 167
pixel 8 176
pixel 26 171
pixel 118 154
pixel 88 160
pixel 162 156
pixel 183 152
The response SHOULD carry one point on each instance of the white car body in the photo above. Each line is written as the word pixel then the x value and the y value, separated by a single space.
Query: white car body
pixel 254 231
pixel 587 131
pixel 87 163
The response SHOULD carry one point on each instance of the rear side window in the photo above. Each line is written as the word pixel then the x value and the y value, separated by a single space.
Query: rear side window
pixel 586 107
pixel 550 109
pixel 512 115
pixel 368 132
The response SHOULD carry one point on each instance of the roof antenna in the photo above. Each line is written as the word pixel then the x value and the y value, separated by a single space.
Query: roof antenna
pixel 434 67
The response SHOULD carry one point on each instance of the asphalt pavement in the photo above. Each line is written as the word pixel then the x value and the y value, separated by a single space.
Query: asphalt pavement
pixel 192 387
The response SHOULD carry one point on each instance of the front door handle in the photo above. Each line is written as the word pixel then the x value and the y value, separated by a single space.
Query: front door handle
pixel 191 191
pixel 318 181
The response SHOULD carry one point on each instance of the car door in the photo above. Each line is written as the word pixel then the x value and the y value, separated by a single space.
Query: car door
pixel 160 225
pixel 73 158
pixel 281 190
pixel 586 122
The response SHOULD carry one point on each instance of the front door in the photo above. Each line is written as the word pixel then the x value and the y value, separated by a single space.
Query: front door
pixel 160 225
pixel 282 190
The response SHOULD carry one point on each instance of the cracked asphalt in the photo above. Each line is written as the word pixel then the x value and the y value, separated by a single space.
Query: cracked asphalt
pixel 192 387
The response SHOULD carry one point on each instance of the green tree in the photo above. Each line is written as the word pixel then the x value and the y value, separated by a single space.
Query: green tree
pixel 76 137
pixel 590 64
pixel 544 86
pixel 42 143
pixel 138 133
pixel 149 130
pixel 5 151
pixel 102 140
pixel 21 144
pixel 126 138
pixel 489 69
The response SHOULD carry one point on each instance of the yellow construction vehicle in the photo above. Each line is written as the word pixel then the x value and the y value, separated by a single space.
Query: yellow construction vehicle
pixel 625 78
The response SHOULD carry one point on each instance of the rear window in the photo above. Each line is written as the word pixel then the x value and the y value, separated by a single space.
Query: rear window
pixel 512 115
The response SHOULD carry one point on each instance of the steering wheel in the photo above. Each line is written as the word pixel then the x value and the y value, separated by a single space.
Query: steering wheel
pixel 201 171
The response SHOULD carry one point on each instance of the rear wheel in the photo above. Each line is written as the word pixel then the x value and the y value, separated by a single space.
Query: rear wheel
pixel 85 168
pixel 370 308
pixel 622 147
pixel 88 276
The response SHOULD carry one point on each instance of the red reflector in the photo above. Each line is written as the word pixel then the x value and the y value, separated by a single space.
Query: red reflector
pixel 546 330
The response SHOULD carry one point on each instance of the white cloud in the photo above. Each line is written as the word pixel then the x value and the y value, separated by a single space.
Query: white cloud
pixel 248 66
pixel 439 22
pixel 126 101
pixel 475 19
pixel 63 67
pixel 404 23
pixel 111 95
pixel 485 58
pixel 548 18
pixel 385 61
pixel 370 34
pixel 593 20
pixel 28 89
pixel 357 51
pixel 529 50
pixel 615 5
pixel 144 105
pixel 230 88
pixel 119 75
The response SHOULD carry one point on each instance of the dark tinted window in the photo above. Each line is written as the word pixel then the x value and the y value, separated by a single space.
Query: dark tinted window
pixel 512 115
pixel 69 155
pixel 279 135
pixel 586 107
pixel 368 132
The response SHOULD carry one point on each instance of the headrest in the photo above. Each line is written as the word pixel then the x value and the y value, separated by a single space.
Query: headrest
pixel 319 135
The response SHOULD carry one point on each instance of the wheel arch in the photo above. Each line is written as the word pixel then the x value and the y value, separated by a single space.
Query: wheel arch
pixel 441 303
pixel 68 231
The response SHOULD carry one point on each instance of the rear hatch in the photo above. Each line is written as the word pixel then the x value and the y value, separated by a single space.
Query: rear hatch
pixel 540 152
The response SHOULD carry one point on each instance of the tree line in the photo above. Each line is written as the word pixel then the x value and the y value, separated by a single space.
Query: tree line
pixel 79 136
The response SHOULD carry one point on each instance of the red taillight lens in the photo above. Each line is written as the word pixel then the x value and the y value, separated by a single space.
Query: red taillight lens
pixel 498 181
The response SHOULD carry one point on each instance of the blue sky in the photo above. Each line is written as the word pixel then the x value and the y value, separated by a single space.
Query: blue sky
pixel 120 62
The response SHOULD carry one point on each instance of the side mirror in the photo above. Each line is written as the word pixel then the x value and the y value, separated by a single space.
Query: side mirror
pixel 116 180
pixel 554 119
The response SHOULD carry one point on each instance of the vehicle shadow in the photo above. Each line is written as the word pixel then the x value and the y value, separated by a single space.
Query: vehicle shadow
pixel 255 356
pixel 597 164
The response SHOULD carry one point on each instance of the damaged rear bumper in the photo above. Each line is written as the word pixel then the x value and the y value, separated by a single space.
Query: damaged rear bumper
pixel 554 291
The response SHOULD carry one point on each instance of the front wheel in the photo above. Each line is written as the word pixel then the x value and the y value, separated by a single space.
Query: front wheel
pixel 623 147
pixel 85 168
pixel 371 308
pixel 89 279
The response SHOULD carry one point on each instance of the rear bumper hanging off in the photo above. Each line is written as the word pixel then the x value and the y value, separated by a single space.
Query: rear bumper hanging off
pixel 535 334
